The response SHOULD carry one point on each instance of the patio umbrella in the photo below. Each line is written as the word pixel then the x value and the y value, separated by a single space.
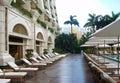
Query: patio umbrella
pixel 87 45
pixel 103 46
pixel 115 45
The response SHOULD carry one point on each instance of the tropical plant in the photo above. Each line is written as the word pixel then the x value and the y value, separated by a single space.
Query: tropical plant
pixel 107 19
pixel 84 38
pixel 91 21
pixel 38 9
pixel 66 43
pixel 72 21
pixel 102 21
pixel 98 21
pixel 29 53
pixel 21 9
pixel 45 7
pixel 51 29
pixel 41 23
pixel 45 51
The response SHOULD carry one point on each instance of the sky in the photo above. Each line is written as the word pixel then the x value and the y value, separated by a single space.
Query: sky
pixel 81 8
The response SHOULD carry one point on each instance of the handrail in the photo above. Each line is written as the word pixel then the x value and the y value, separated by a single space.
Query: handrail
pixel 95 67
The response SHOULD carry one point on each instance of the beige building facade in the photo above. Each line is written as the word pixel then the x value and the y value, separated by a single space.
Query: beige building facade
pixel 26 24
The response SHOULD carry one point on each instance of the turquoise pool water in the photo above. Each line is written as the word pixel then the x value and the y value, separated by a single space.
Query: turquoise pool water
pixel 113 57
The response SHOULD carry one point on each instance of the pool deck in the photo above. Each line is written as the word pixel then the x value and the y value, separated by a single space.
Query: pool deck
pixel 71 69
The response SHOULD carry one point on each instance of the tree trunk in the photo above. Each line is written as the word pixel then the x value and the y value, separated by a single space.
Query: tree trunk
pixel 71 29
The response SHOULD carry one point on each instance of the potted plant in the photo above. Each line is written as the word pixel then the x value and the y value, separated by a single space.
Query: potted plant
pixel 29 53
pixel 45 51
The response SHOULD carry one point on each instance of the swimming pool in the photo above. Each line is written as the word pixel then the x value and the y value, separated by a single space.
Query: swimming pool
pixel 113 57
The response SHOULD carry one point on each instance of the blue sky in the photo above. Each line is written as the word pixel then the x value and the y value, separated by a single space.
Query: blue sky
pixel 81 8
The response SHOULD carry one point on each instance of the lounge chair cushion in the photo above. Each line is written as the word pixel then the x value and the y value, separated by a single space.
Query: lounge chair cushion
pixel 15 67
pixel 12 73
pixel 4 80
pixel 33 64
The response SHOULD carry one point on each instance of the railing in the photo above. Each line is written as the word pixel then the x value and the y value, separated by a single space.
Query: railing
pixel 99 75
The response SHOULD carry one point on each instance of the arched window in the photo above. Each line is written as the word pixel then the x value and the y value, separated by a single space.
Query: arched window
pixel 49 39
pixel 40 36
pixel 19 28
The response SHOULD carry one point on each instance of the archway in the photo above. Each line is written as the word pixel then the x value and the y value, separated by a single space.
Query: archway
pixel 39 43
pixel 19 28
pixel 16 43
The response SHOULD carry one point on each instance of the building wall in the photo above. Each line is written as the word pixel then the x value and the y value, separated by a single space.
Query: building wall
pixel 12 17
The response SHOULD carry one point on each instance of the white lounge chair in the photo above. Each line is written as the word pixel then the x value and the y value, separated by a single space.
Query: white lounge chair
pixel 53 56
pixel 47 58
pixel 44 60
pixel 5 80
pixel 23 69
pixel 115 52
pixel 107 53
pixel 38 61
pixel 34 64
pixel 101 52
pixel 13 75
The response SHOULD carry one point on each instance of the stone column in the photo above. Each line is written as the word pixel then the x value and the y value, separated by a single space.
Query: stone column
pixel 4 55
pixel 2 29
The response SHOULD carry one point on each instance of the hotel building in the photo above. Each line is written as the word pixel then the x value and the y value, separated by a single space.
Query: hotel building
pixel 26 24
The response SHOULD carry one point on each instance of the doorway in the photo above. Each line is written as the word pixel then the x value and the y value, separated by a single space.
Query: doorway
pixel 16 51
pixel 16 47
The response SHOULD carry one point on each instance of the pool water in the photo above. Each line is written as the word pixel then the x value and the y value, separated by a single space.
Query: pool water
pixel 113 57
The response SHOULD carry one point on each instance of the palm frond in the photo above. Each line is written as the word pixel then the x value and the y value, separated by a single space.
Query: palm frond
pixel 67 22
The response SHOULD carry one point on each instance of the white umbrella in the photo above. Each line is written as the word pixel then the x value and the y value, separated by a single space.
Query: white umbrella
pixel 115 45
pixel 87 45
pixel 103 46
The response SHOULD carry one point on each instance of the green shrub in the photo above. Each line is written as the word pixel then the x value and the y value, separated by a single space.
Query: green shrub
pixel 29 53
pixel 41 23
pixel 45 51
pixel 51 29
pixel 39 10
pixel 21 9
pixel 60 51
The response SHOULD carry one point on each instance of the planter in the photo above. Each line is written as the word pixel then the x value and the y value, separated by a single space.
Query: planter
pixel 29 53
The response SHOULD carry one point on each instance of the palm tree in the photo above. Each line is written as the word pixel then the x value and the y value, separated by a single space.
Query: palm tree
pixel 99 21
pixel 91 21
pixel 108 19
pixel 114 16
pixel 72 21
